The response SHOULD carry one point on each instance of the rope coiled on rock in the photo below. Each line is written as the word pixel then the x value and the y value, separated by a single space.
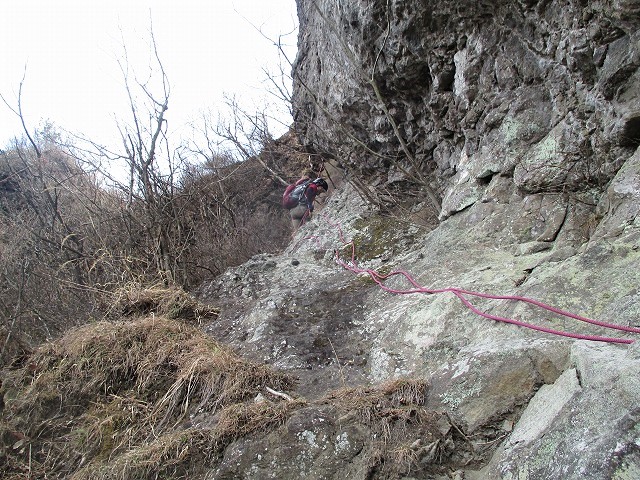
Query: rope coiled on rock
pixel 379 279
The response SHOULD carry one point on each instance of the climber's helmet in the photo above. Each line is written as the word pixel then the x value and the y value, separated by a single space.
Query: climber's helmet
pixel 320 182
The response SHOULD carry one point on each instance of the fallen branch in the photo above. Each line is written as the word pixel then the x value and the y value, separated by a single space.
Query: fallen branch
pixel 279 394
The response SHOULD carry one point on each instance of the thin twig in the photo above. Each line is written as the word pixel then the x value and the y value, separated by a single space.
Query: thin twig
pixel 279 394
pixel 342 377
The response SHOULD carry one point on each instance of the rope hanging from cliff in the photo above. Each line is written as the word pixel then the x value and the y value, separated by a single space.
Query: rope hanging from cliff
pixel 462 295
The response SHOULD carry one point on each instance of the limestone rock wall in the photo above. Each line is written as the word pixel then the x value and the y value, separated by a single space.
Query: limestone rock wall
pixel 543 93
pixel 530 404
pixel 525 117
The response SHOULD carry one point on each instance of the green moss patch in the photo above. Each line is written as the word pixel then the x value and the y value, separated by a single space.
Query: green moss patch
pixel 378 236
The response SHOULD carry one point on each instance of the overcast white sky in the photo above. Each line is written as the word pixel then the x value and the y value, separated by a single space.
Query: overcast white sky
pixel 70 49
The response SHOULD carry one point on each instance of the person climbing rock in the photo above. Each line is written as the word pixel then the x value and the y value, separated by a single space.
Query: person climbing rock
pixel 300 198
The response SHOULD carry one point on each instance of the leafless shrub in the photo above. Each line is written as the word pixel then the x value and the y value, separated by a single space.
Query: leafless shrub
pixel 72 231
pixel 55 242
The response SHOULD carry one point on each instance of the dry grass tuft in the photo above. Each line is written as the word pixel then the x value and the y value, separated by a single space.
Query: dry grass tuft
pixel 185 453
pixel 245 419
pixel 115 400
pixel 372 402
pixel 157 398
pixel 168 301
pixel 407 436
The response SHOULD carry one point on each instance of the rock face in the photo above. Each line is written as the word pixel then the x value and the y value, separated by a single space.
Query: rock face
pixel 525 116
pixel 543 93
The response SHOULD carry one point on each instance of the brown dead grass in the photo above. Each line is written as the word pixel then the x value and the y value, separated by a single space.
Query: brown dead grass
pixel 168 301
pixel 115 400
pixel 186 453
pixel 156 398
pixel 153 397
pixel 408 436
pixel 372 403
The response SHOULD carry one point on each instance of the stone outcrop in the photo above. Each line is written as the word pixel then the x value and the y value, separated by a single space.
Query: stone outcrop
pixel 525 117
pixel 543 93
pixel 511 390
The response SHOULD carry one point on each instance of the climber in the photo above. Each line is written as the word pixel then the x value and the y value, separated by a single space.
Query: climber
pixel 300 198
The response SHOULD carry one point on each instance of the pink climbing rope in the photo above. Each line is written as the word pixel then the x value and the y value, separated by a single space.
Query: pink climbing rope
pixel 379 279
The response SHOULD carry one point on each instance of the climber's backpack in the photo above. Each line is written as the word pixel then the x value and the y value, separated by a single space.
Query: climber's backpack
pixel 293 194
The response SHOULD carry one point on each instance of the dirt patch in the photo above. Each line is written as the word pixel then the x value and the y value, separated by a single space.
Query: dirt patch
pixel 315 335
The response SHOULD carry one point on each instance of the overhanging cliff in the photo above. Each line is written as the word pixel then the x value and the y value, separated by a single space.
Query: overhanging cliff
pixel 542 93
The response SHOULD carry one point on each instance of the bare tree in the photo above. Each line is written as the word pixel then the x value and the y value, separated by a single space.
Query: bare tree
pixel 79 229
pixel 54 227
pixel 154 232
pixel 140 140
pixel 17 110
pixel 244 172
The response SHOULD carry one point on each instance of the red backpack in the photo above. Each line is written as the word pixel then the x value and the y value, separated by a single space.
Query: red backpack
pixel 293 194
